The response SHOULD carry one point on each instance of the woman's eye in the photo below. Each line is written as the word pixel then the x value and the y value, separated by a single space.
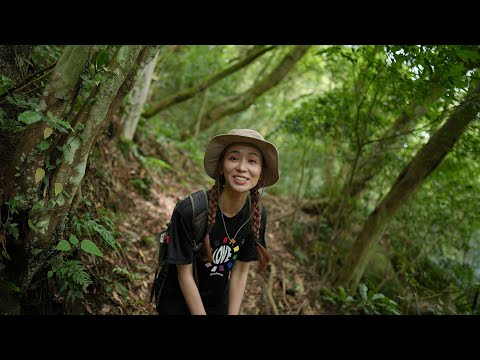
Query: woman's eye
pixel 253 161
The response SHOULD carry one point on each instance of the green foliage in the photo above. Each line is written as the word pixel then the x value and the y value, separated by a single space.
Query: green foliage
pixel 96 72
pixel 148 241
pixel 9 226
pixel 90 247
pixel 155 164
pixel 142 185
pixel 102 227
pixel 72 274
pixel 29 117
pixel 435 238
pixel 73 278
pixel 115 286
pixel 365 301
pixel 44 55
pixel 9 125
pixel 127 146
pixel 125 273
pixel 5 84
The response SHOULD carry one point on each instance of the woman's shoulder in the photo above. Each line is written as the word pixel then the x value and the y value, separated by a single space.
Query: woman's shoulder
pixel 185 207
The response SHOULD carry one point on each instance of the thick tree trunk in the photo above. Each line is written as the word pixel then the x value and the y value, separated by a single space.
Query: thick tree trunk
pixel 412 176
pixel 242 101
pixel 136 99
pixel 59 96
pixel 186 94
pixel 48 219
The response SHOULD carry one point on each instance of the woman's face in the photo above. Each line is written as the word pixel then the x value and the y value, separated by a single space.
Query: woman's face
pixel 242 167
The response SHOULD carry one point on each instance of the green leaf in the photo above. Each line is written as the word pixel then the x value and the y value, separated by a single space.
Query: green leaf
pixel 46 181
pixel 44 145
pixel 39 174
pixel 56 126
pixel 58 188
pixel 49 274
pixel 5 255
pixel 32 226
pixel 42 224
pixel 363 291
pixel 36 251
pixel 101 59
pixel 9 285
pixel 90 247
pixel 63 245
pixel 29 117
pixel 73 239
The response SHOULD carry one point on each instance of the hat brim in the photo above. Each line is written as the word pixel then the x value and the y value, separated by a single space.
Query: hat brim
pixel 218 143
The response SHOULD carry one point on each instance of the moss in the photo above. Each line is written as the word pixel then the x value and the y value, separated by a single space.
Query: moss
pixel 69 153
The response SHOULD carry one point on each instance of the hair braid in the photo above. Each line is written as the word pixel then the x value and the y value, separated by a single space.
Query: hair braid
pixel 257 215
pixel 263 256
pixel 206 252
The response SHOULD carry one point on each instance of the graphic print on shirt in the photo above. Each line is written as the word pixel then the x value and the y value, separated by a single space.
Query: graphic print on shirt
pixel 223 257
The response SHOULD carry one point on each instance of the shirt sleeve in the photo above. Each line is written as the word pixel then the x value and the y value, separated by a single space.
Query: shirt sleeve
pixel 180 247
pixel 248 252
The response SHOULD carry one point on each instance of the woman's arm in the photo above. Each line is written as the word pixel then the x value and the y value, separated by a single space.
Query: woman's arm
pixel 190 290
pixel 238 281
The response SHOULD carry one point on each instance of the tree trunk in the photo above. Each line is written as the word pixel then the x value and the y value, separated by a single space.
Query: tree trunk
pixel 242 101
pixel 136 99
pixel 186 94
pixel 58 99
pixel 38 244
pixel 412 176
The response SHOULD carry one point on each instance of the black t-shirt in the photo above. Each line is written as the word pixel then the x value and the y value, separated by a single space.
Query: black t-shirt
pixel 213 277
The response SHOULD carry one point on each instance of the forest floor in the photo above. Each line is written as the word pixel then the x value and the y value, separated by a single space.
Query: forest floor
pixel 288 286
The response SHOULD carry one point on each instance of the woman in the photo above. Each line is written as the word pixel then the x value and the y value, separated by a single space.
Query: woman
pixel 241 162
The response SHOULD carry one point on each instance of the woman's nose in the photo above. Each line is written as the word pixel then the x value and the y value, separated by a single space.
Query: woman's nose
pixel 241 166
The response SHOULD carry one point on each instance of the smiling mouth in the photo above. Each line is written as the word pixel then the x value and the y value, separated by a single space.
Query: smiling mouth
pixel 240 178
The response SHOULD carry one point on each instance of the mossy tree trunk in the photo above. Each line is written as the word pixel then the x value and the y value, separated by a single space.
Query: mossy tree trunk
pixel 53 201
pixel 57 102
pixel 412 176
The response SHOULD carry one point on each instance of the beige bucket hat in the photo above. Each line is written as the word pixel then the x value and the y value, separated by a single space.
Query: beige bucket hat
pixel 219 142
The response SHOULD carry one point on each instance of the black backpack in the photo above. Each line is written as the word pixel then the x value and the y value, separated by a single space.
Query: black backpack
pixel 199 201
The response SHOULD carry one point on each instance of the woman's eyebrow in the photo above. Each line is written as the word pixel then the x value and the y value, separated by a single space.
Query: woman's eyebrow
pixel 238 152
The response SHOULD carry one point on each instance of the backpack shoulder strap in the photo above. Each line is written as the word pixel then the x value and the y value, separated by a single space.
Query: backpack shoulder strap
pixel 199 202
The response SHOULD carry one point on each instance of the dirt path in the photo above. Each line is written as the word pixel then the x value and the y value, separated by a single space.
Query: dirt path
pixel 287 287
